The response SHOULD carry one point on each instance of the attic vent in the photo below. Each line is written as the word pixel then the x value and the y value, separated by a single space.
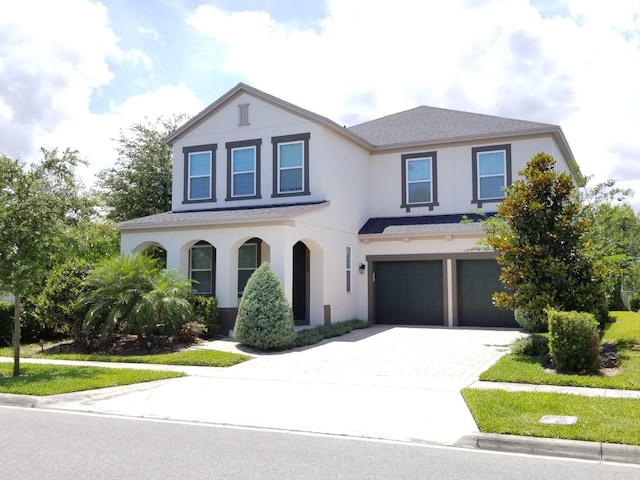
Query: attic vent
pixel 243 110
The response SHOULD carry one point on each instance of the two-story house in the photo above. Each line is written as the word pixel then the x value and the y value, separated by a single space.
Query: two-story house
pixel 374 221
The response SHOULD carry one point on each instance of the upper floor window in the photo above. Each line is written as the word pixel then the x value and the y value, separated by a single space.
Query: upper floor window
pixel 243 167
pixel 419 180
pixel 491 173
pixel 291 165
pixel 199 166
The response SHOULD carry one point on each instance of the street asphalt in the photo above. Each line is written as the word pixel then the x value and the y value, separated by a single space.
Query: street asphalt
pixel 392 383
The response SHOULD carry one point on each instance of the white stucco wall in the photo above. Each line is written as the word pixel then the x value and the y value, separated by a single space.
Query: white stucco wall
pixel 454 175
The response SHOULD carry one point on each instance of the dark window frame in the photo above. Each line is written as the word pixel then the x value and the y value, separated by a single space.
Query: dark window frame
pixel 474 169
pixel 276 141
pixel 405 180
pixel 212 270
pixel 258 245
pixel 230 146
pixel 186 151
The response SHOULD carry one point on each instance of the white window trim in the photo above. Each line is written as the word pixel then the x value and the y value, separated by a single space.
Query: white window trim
pixel 210 269
pixel 253 171
pixel 189 196
pixel 503 174
pixel 409 182
pixel 349 269
pixel 301 168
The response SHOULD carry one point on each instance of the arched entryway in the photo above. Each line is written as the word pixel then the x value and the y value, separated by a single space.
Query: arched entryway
pixel 301 283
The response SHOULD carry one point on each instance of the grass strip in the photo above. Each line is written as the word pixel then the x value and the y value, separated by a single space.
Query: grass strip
pixel 624 332
pixel 200 358
pixel 611 420
pixel 42 380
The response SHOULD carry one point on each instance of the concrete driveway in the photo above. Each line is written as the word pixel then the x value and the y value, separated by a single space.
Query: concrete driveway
pixel 396 383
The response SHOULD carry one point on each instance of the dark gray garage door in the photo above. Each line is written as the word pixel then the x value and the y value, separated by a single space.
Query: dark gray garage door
pixel 409 293
pixel 477 281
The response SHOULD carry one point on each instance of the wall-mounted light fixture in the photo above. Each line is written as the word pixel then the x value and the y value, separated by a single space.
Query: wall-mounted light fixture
pixel 362 267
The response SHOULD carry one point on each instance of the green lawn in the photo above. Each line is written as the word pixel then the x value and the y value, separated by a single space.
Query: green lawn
pixel 202 358
pixel 611 420
pixel 43 380
pixel 625 332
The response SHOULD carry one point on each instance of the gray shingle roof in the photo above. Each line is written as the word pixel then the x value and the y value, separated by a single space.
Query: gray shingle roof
pixel 221 216
pixel 430 125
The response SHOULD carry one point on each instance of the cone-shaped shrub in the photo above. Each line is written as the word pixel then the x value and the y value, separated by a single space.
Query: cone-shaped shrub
pixel 264 318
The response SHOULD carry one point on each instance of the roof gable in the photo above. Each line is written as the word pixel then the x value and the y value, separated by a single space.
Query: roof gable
pixel 241 88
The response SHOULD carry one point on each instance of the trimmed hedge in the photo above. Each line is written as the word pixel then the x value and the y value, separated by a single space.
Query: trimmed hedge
pixel 310 336
pixel 574 341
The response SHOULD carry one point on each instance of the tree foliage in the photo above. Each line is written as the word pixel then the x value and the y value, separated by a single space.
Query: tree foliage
pixel 540 239
pixel 131 294
pixel 140 183
pixel 57 305
pixel 264 320
pixel 37 204
pixel 614 230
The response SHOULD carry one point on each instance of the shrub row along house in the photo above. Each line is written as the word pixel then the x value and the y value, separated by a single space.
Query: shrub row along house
pixel 373 221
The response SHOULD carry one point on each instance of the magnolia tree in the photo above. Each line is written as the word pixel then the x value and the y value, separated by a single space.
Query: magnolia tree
pixel 540 238
pixel 264 320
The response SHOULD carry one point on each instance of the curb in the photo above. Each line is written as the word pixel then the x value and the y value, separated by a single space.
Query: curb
pixel 14 400
pixel 596 451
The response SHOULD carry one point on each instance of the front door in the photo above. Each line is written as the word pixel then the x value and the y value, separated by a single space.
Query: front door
pixel 301 291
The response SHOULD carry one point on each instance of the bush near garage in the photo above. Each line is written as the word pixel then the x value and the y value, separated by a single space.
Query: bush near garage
pixel 264 320
pixel 574 341
pixel 533 345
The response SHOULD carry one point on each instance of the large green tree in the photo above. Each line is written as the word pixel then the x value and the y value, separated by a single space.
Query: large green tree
pixel 540 238
pixel 140 182
pixel 614 230
pixel 38 203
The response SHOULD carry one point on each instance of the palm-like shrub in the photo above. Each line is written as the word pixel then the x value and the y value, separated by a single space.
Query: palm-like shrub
pixel 264 320
pixel 131 294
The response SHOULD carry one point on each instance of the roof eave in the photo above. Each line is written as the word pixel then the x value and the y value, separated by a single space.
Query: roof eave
pixel 465 138
pixel 203 223
pixel 404 236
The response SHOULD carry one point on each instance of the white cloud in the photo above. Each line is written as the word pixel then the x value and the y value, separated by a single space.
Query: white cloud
pixel 49 64
pixel 93 135
pixel 368 59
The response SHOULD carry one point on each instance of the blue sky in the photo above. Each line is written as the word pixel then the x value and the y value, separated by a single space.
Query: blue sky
pixel 75 72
